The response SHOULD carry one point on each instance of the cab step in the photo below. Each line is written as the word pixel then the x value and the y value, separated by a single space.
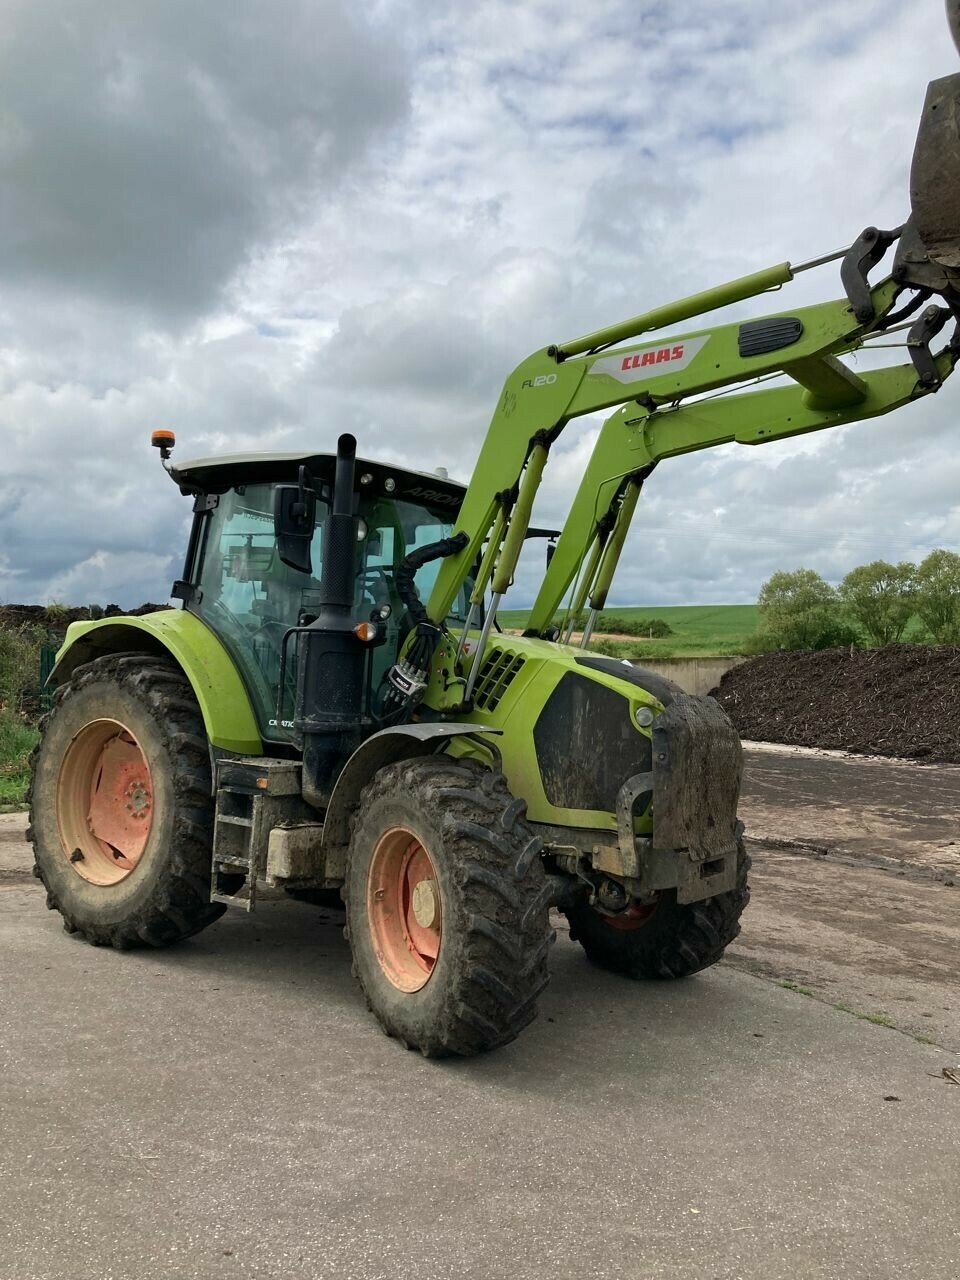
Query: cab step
pixel 255 794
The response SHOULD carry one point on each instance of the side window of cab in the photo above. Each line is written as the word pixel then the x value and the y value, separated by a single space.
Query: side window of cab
pixel 251 599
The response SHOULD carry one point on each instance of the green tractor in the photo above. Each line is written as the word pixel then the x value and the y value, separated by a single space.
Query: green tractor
pixel 333 709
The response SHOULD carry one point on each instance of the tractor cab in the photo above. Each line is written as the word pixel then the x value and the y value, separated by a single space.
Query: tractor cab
pixel 237 581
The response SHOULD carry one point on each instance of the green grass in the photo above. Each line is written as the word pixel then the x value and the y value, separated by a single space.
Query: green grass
pixel 16 743
pixel 878 1019
pixel 795 986
pixel 699 630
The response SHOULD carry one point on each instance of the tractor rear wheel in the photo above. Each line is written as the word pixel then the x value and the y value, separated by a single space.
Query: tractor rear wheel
pixel 665 939
pixel 121 810
pixel 447 907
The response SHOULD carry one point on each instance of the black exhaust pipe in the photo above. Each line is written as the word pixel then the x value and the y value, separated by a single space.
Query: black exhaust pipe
pixel 332 659
pixel 340 534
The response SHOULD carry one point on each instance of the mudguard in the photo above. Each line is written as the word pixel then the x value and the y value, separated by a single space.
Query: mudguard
pixel 385 747
pixel 224 703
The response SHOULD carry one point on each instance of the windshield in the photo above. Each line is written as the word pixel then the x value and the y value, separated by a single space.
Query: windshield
pixel 393 530
pixel 251 598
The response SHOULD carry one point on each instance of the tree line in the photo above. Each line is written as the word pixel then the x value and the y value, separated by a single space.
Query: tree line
pixel 875 604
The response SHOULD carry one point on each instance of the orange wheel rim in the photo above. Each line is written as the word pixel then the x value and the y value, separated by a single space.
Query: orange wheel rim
pixel 635 916
pixel 404 909
pixel 105 802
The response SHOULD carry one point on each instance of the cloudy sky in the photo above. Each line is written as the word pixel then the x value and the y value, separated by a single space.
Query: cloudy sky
pixel 263 224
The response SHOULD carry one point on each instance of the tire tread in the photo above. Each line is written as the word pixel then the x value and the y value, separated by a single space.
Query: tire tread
pixel 678 941
pixel 178 905
pixel 501 955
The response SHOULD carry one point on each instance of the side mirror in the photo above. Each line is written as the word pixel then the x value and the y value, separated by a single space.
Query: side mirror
pixel 551 548
pixel 294 519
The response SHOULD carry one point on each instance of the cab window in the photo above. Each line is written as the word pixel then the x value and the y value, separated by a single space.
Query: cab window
pixel 251 598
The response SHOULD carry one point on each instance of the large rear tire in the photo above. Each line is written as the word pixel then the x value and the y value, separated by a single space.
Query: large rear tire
pixel 447 907
pixel 667 939
pixel 121 810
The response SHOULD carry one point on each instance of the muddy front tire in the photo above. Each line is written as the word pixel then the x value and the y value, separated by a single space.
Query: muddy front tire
pixel 447 907
pixel 121 811
pixel 667 940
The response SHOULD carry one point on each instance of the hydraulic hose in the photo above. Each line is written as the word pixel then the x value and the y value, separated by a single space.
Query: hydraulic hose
pixel 407 678
pixel 404 578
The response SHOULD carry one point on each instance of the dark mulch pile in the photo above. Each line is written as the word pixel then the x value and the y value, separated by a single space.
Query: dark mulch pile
pixel 13 617
pixel 903 700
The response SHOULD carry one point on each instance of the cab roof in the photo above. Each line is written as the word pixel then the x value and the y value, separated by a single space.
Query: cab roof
pixel 225 471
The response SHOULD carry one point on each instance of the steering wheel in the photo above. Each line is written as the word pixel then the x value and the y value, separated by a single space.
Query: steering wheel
pixel 375 582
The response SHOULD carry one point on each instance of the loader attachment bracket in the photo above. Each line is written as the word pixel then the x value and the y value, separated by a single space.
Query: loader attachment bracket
pixel 862 256
pixel 921 334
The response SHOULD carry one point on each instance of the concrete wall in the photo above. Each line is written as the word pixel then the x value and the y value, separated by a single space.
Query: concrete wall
pixel 693 675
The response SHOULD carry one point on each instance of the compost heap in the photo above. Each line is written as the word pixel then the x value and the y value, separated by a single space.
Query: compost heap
pixel 56 618
pixel 898 701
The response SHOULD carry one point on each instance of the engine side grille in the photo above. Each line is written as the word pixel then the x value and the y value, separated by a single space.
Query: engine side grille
pixel 496 675
pixel 587 745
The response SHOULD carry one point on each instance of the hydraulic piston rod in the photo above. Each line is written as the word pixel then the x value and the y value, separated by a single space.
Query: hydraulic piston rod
pixel 676 312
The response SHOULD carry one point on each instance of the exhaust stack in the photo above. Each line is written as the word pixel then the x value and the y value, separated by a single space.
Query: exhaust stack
pixel 332 658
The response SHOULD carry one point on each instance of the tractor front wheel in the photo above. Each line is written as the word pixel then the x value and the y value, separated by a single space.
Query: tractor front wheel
pixel 447 906
pixel 121 811
pixel 665 938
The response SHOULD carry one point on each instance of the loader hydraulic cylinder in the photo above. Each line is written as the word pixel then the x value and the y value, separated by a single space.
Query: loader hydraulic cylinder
pixel 676 312
pixel 519 520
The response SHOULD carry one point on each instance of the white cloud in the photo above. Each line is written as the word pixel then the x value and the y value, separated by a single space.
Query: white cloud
pixel 148 148
pixel 107 575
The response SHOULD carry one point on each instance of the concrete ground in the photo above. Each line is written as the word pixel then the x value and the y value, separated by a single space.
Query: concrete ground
pixel 229 1109
pixel 868 810
pixel 856 884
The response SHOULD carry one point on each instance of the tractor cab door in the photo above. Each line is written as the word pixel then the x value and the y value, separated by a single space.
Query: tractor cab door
pixel 250 598
pixel 246 594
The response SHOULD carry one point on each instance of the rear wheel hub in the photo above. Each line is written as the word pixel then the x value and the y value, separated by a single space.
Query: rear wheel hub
pixel 634 917
pixel 105 802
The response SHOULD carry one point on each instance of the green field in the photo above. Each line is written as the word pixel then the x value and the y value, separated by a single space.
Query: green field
pixel 699 630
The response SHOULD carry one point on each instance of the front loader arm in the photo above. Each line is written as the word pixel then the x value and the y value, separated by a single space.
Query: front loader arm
pixel 539 398
pixel 551 387
pixel 659 381
pixel 633 439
